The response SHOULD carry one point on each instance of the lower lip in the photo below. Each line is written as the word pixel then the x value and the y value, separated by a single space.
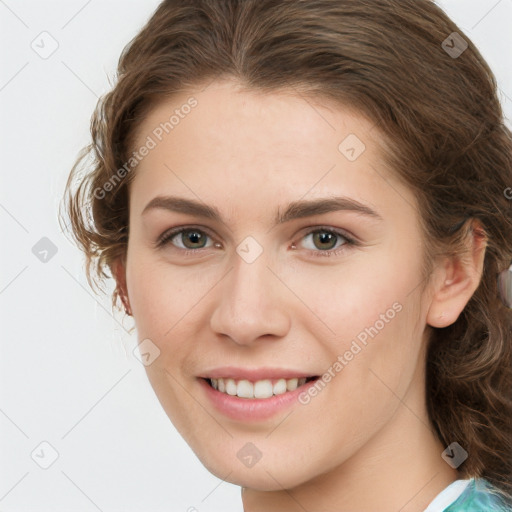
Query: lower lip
pixel 252 409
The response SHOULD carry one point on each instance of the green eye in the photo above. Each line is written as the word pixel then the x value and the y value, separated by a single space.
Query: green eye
pixel 324 240
pixel 193 236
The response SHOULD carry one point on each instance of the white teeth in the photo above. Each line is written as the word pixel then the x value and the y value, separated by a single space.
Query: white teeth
pixel 258 389
pixel 230 387
pixel 245 389
pixel 263 389
pixel 292 384
pixel 280 387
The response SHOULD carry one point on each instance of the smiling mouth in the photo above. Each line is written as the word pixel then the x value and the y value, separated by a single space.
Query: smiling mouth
pixel 265 388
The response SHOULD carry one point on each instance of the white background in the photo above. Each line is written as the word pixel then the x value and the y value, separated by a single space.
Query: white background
pixel 68 375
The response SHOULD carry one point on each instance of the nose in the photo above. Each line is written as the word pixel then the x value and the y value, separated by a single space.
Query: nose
pixel 252 302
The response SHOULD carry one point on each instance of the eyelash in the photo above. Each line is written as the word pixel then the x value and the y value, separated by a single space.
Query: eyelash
pixel 349 241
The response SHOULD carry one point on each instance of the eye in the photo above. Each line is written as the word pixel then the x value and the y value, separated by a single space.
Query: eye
pixel 324 241
pixel 191 238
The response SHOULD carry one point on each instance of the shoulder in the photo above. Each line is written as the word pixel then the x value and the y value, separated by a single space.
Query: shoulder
pixel 479 496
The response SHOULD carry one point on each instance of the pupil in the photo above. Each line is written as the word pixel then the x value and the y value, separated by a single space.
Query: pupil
pixel 194 236
pixel 325 237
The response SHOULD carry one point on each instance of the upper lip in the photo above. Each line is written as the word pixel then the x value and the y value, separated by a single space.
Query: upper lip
pixel 253 374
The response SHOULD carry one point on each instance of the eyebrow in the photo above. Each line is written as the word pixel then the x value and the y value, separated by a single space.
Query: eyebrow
pixel 295 210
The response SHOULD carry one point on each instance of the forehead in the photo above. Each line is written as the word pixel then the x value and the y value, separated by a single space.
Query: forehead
pixel 222 142
pixel 285 120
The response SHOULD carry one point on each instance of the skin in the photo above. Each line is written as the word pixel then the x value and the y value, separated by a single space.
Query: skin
pixel 364 442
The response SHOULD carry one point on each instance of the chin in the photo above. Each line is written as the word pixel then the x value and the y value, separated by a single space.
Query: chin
pixel 264 475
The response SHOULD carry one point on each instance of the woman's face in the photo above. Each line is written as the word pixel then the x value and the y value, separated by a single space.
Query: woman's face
pixel 271 289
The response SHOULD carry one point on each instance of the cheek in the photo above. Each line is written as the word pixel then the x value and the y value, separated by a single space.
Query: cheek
pixel 354 296
pixel 372 365
pixel 383 366
pixel 149 297
pixel 166 306
pixel 160 294
pixel 371 323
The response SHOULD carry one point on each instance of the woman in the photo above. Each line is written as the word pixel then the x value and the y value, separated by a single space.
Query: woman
pixel 241 136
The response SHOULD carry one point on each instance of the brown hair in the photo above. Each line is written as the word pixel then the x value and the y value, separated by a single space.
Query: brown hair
pixel 445 137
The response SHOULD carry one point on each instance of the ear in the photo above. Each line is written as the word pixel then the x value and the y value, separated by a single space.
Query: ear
pixel 458 279
pixel 119 273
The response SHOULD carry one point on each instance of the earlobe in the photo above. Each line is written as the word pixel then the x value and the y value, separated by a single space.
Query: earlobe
pixel 458 280
pixel 119 274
